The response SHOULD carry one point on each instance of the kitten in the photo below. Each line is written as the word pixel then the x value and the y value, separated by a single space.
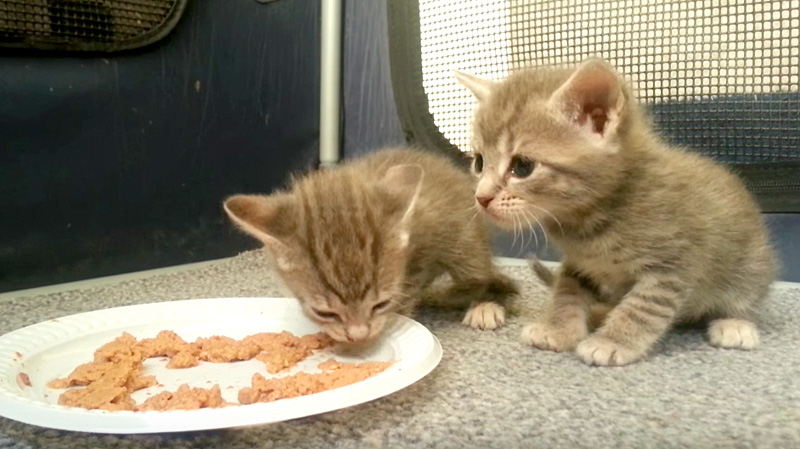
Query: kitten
pixel 661 234
pixel 362 240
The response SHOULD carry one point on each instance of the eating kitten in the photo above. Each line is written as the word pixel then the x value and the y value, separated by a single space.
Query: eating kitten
pixel 661 234
pixel 362 240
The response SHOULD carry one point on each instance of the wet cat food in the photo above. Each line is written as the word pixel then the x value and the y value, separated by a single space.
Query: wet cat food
pixel 108 381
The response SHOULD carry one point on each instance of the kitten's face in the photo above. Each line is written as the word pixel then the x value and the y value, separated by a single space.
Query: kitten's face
pixel 352 288
pixel 545 143
pixel 340 244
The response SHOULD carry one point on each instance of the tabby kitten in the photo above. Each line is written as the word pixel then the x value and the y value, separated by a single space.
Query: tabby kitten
pixel 661 234
pixel 362 240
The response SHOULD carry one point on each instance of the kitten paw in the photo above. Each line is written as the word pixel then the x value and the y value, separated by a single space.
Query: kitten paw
pixel 485 316
pixel 551 338
pixel 733 333
pixel 600 351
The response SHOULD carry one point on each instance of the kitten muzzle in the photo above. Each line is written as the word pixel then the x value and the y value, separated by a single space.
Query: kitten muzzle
pixel 358 333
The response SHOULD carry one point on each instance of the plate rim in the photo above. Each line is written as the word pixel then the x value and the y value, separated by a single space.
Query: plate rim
pixel 29 411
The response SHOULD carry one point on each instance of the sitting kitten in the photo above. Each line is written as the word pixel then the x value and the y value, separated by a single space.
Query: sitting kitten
pixel 362 240
pixel 661 234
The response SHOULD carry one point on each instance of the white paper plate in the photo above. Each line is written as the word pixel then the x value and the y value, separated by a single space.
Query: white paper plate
pixel 54 348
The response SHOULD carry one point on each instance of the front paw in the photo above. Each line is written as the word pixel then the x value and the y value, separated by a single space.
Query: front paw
pixel 552 338
pixel 600 351
pixel 485 316
pixel 733 333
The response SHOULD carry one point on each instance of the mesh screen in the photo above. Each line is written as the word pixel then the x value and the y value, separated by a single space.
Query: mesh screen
pixel 720 76
pixel 65 23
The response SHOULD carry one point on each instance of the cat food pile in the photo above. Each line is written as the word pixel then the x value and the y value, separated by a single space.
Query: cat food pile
pixel 115 373
pixel 334 375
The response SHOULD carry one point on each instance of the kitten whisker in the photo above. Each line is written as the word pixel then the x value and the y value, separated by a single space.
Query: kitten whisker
pixel 477 210
pixel 551 216
pixel 397 293
pixel 518 224
pixel 400 293
pixel 541 226
pixel 514 242
pixel 531 228
pixel 474 216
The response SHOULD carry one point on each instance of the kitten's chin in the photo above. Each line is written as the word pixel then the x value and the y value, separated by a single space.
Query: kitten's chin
pixel 500 220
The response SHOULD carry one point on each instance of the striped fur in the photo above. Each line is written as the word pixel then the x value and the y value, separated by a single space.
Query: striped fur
pixel 359 241
pixel 659 233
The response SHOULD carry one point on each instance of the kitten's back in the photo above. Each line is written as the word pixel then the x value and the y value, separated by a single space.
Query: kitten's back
pixel 721 221
pixel 446 197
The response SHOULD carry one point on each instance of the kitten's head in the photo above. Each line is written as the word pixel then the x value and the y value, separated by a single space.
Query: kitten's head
pixel 340 243
pixel 549 143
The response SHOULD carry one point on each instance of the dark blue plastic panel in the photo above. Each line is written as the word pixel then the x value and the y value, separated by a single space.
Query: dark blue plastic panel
pixel 120 162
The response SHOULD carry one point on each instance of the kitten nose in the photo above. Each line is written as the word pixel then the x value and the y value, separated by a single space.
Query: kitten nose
pixel 357 333
pixel 484 200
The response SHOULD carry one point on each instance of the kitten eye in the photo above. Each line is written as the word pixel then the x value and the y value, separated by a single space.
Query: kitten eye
pixel 326 315
pixel 381 306
pixel 521 167
pixel 477 163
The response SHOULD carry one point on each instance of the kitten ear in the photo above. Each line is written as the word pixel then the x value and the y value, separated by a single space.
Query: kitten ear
pixel 403 183
pixel 267 218
pixel 592 99
pixel 480 87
